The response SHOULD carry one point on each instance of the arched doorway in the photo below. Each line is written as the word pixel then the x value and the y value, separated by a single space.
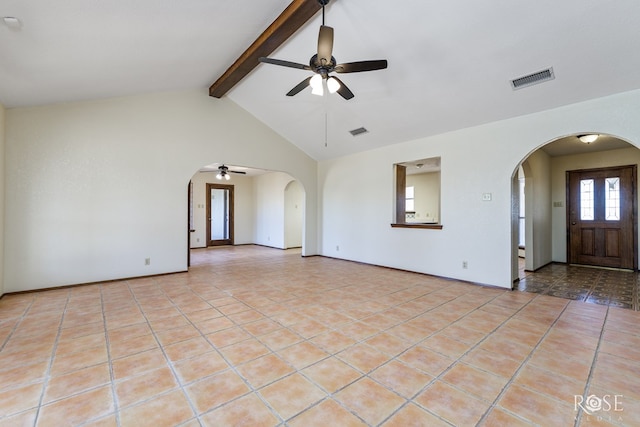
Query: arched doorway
pixel 545 170
pixel 268 207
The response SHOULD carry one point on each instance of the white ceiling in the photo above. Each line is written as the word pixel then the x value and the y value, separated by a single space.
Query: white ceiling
pixel 450 62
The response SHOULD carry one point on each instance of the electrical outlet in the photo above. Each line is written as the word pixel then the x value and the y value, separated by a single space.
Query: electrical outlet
pixel 465 264
pixel 147 261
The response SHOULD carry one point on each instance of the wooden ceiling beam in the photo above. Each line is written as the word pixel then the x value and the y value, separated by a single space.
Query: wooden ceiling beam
pixel 289 21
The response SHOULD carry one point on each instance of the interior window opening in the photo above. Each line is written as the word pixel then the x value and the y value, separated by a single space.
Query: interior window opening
pixel 418 192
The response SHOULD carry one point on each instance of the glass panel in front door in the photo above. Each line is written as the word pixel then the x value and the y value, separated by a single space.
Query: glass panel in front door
pixel 219 214
pixel 612 199
pixel 586 200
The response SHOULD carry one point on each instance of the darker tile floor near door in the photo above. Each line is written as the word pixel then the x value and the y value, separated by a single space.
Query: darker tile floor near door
pixel 615 288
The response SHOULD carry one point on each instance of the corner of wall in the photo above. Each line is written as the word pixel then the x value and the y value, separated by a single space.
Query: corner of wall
pixel 2 173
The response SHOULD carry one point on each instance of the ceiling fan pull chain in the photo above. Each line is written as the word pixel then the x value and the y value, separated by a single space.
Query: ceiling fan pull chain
pixel 325 129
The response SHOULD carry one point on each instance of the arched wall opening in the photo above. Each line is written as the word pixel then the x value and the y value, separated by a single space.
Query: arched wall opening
pixel 268 207
pixel 545 194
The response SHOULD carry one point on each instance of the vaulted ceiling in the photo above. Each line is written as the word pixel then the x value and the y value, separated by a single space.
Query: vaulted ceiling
pixel 450 63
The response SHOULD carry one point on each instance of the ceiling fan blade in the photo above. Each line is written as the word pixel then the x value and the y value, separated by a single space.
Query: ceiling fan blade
pixel 325 45
pixel 303 84
pixel 344 90
pixel 356 67
pixel 238 172
pixel 284 63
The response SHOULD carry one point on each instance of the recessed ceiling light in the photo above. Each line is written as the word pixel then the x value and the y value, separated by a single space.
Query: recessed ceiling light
pixel 12 22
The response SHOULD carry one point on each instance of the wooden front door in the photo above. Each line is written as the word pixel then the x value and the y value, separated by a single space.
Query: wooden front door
pixel 601 217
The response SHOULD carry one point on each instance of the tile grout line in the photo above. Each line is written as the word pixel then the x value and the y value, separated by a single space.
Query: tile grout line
pixel 17 324
pixel 308 340
pixel 52 358
pixel 587 386
pixel 109 359
pixel 414 345
pixel 446 370
pixel 231 366
pixel 522 364
pixel 164 354
pixel 362 341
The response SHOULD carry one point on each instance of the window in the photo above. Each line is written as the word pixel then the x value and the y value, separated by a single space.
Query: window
pixel 612 199
pixel 586 200
pixel 418 193
pixel 410 205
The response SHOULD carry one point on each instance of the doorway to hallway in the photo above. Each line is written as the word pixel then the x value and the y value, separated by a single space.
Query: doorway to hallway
pixel 220 214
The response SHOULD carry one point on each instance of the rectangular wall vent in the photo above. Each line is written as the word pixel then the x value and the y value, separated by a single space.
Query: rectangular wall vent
pixel 358 131
pixel 532 79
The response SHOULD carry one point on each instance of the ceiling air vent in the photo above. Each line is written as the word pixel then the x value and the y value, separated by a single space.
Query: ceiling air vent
pixel 532 79
pixel 358 131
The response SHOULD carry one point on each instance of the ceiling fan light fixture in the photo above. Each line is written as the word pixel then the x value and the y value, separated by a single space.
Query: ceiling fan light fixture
pixel 219 175
pixel 588 138
pixel 332 85
pixel 316 85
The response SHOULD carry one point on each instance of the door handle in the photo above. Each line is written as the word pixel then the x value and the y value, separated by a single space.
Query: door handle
pixel 573 223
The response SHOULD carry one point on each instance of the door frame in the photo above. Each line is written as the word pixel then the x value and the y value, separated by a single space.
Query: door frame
pixel 221 242
pixel 634 210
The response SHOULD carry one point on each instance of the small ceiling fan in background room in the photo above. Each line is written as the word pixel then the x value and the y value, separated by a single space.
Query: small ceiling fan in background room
pixel 222 172
pixel 324 63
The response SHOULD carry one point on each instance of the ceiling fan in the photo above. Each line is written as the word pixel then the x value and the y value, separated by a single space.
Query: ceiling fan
pixel 323 63
pixel 224 171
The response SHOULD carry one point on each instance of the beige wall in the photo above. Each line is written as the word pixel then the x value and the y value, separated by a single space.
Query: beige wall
pixel 427 196
pixel 538 222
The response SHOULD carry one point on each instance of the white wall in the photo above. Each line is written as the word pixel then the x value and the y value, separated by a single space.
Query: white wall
pixel 269 205
pixel 2 191
pixel 357 201
pixel 559 167
pixel 94 188
pixel 538 218
pixel 293 214
pixel 244 210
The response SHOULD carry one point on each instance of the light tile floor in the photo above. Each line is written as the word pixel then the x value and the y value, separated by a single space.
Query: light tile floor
pixel 262 337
